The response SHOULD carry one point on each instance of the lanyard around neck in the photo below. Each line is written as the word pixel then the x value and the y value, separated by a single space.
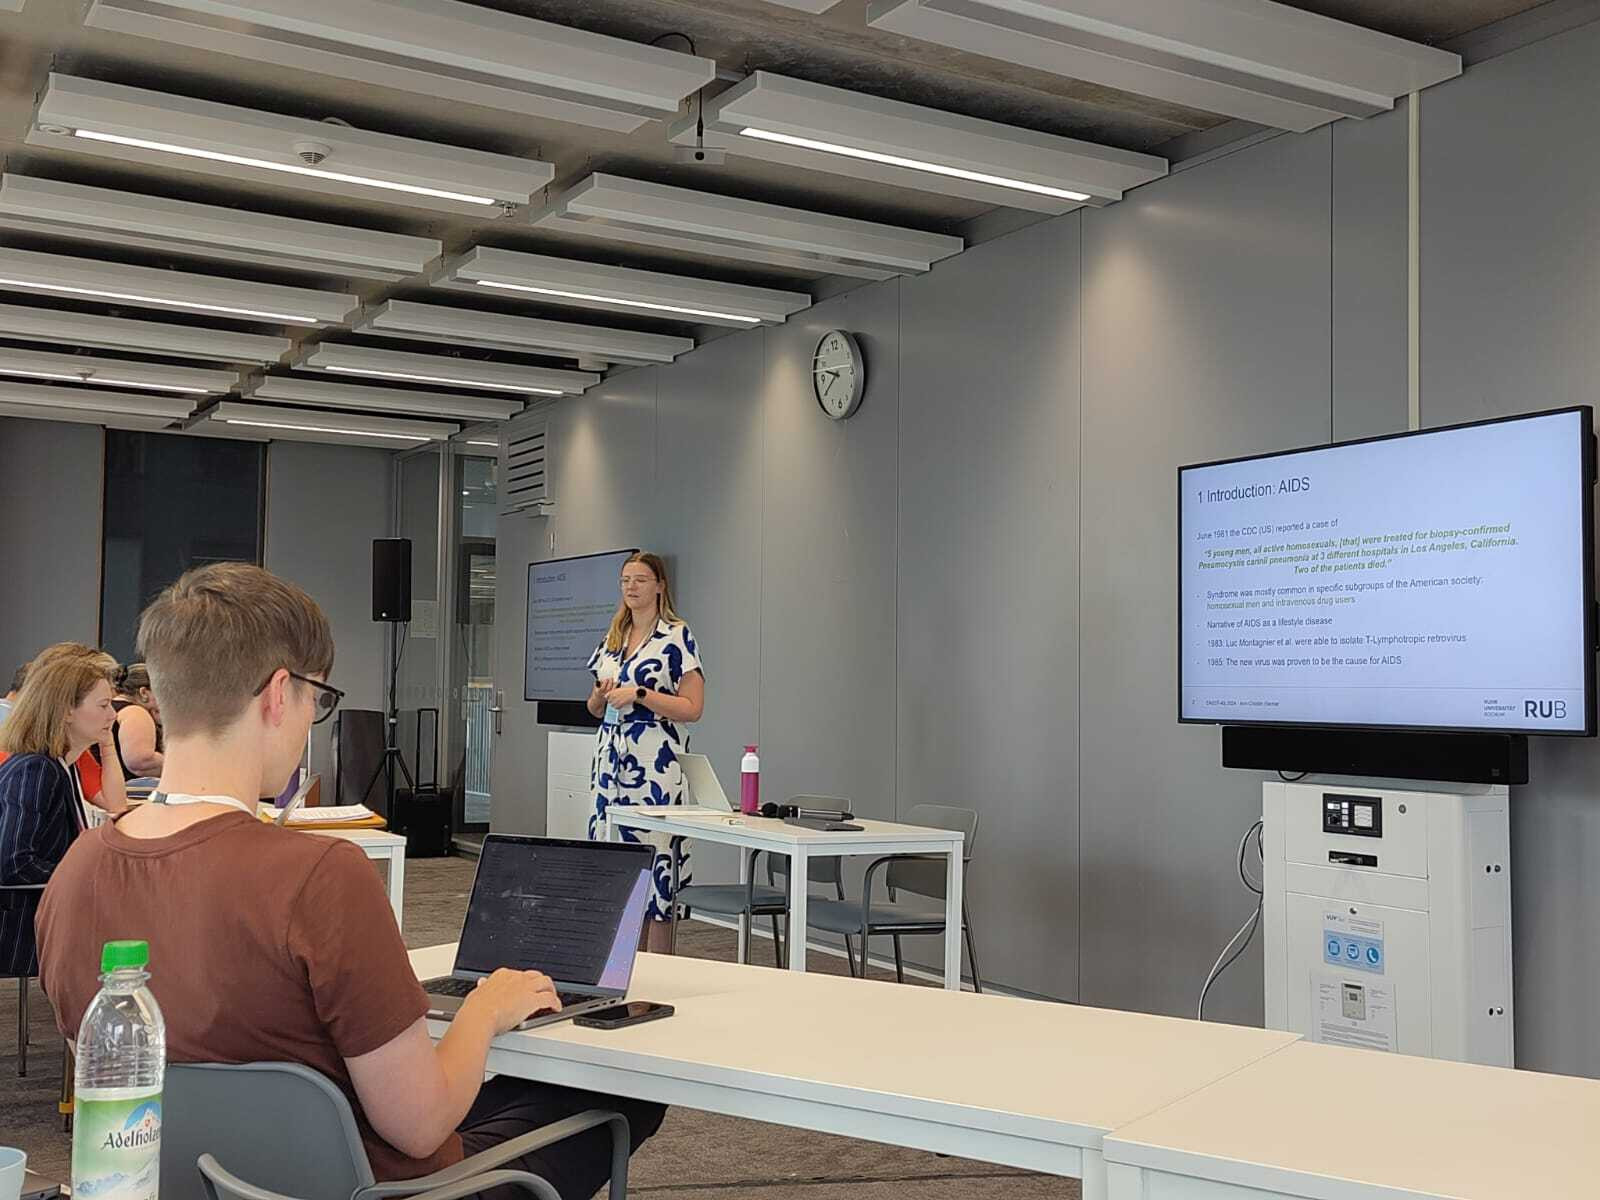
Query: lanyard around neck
pixel 179 798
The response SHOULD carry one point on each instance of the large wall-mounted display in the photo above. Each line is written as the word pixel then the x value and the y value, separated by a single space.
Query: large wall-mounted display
pixel 1440 580
pixel 570 605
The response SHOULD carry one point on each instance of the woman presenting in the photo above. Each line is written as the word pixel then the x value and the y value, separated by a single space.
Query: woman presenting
pixel 648 683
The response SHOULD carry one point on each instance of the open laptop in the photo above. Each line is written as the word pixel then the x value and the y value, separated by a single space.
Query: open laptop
pixel 572 909
pixel 704 788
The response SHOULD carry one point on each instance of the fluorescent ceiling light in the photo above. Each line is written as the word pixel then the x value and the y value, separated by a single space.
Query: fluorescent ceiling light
pixel 496 445
pixel 443 369
pixel 652 214
pixel 91 279
pixel 820 128
pixel 208 231
pixel 83 400
pixel 470 327
pixel 114 372
pixel 464 53
pixel 1251 59
pixel 896 160
pixel 299 425
pixel 152 337
pixel 132 124
pixel 622 289
pixel 318 393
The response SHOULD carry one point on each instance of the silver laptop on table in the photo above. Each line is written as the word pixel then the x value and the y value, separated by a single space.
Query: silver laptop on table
pixel 572 909
pixel 705 789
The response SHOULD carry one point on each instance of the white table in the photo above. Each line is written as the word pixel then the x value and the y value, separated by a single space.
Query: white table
pixel 381 846
pixel 1328 1123
pixel 1023 1083
pixel 800 845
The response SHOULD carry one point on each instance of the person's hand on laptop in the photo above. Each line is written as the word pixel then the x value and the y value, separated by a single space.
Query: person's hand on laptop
pixel 514 996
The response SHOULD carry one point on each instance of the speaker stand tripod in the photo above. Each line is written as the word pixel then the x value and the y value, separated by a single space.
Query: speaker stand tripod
pixel 391 757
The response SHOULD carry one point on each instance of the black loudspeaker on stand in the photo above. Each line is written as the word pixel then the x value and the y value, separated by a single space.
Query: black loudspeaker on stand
pixel 391 579
pixel 391 602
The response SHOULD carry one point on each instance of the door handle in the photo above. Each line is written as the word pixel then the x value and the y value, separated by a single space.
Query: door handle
pixel 496 709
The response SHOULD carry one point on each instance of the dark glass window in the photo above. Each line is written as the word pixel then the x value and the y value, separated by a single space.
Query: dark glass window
pixel 172 503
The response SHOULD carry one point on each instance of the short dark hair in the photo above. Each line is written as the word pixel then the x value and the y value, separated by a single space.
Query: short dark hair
pixel 212 640
pixel 19 677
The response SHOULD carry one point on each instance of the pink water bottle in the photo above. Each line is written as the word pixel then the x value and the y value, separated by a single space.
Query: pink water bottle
pixel 750 782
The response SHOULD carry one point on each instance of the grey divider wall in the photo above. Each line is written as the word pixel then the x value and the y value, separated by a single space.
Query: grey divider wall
pixel 1370 198
pixel 51 477
pixel 1205 336
pixel 1511 323
pixel 325 504
pixel 709 469
pixel 828 564
pixel 602 475
pixel 988 584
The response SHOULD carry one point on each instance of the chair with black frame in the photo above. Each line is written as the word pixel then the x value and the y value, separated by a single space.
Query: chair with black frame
pixel 213 1147
pixel 11 952
pixel 772 898
pixel 918 874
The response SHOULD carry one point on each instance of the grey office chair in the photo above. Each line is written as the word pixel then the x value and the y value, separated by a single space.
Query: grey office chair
pixel 769 899
pixel 918 874
pixel 291 1132
pixel 220 1184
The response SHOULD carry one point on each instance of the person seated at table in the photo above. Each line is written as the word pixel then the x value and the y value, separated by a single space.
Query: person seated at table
pixel 269 945
pixel 63 709
pixel 137 731
pixel 100 787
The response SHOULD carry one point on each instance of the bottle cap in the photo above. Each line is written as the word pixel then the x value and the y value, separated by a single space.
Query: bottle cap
pixel 118 955
pixel 749 749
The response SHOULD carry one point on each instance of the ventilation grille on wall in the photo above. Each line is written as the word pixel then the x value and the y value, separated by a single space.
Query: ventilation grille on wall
pixel 525 485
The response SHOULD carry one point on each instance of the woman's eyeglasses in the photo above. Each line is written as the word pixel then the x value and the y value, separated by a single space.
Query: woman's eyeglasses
pixel 327 696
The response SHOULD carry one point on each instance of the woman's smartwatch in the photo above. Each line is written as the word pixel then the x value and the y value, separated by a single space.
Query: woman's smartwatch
pixel 639 695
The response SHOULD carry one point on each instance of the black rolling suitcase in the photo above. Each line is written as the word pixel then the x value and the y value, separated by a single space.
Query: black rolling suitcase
pixel 423 815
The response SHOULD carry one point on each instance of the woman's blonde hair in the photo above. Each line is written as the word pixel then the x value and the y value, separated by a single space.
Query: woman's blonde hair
pixel 58 680
pixel 622 623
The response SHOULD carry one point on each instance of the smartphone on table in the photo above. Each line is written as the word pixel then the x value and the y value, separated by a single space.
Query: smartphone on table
pixel 620 1016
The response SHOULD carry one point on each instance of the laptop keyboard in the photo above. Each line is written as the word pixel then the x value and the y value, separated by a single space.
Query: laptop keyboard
pixel 462 988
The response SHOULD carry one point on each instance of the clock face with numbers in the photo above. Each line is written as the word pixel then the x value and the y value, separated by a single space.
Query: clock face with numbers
pixel 838 374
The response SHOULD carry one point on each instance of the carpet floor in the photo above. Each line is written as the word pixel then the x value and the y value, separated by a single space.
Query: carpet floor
pixel 696 1156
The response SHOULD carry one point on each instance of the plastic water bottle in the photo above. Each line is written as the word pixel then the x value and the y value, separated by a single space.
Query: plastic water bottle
pixel 122 1059
pixel 750 782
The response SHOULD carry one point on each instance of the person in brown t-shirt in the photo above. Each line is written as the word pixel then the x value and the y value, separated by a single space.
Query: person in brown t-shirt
pixel 272 945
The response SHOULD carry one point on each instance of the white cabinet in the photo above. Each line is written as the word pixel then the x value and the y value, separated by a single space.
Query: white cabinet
pixel 567 785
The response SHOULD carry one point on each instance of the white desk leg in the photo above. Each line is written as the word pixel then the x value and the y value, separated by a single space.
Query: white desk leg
pixel 952 921
pixel 744 917
pixel 1095 1184
pixel 397 883
pixel 613 830
pixel 799 870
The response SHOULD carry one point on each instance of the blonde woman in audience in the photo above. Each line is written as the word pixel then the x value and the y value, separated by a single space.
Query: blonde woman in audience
pixel 64 708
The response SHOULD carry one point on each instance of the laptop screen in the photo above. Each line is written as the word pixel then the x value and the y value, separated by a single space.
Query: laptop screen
pixel 573 910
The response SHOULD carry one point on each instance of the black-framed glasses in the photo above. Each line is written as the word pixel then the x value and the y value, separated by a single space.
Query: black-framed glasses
pixel 328 696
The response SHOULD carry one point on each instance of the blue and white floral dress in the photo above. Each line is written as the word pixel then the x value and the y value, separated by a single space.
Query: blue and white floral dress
pixel 636 751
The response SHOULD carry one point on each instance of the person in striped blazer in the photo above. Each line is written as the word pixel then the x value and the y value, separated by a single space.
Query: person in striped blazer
pixel 63 709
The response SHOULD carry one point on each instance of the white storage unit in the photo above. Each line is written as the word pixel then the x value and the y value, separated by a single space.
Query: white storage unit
pixel 567 785
pixel 1387 918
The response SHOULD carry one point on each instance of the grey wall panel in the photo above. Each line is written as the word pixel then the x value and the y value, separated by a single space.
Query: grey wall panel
pixel 325 504
pixel 1205 335
pixel 51 479
pixel 709 470
pixel 827 683
pixel 987 674
pixel 1510 310
pixel 1370 207
pixel 420 683
pixel 603 481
